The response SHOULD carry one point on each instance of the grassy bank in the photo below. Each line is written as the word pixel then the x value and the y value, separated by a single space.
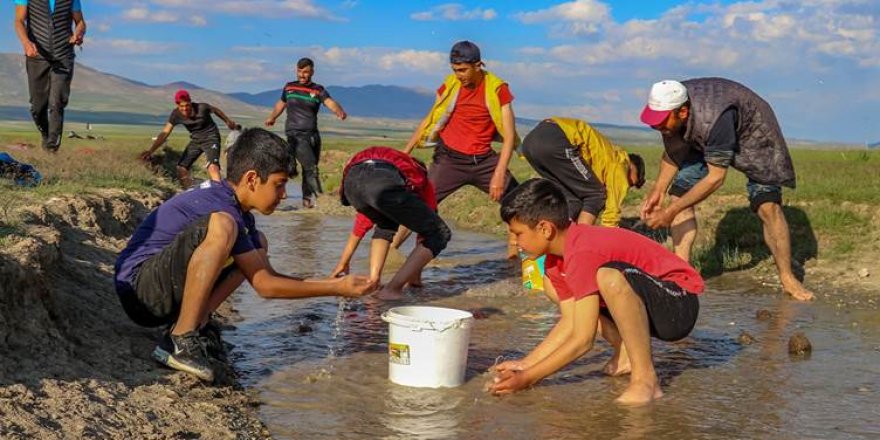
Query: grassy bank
pixel 833 213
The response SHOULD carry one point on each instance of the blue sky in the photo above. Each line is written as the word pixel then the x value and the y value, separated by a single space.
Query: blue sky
pixel 816 61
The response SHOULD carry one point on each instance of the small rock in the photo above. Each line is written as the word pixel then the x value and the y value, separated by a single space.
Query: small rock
pixel 303 329
pixel 745 338
pixel 864 273
pixel 763 314
pixel 799 344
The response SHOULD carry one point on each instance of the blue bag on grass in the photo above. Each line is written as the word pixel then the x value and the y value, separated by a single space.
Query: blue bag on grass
pixel 21 174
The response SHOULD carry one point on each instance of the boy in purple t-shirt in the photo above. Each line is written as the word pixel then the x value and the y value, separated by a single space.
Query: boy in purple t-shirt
pixel 628 286
pixel 195 249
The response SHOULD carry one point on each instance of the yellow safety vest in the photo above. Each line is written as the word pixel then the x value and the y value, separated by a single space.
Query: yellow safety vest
pixel 610 165
pixel 444 105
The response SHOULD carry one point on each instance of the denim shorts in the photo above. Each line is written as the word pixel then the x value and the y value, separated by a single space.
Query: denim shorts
pixel 691 172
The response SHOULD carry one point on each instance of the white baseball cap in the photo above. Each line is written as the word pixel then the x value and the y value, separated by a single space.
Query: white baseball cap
pixel 665 96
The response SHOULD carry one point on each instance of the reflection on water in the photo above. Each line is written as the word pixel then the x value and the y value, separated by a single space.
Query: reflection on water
pixel 321 367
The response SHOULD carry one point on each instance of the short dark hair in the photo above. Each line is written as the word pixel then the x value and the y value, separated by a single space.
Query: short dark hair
pixel 535 200
pixel 639 163
pixel 259 150
pixel 305 62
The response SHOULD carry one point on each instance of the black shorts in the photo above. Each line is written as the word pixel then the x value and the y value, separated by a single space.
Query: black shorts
pixel 672 311
pixel 159 281
pixel 195 149
pixel 378 190
pixel 551 154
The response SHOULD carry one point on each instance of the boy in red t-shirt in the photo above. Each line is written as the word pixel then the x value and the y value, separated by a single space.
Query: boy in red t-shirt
pixel 612 280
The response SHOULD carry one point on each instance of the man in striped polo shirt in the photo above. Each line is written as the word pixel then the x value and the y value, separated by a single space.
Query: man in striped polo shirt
pixel 302 100
pixel 47 34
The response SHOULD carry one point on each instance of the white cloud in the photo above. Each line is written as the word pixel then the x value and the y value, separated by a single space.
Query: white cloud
pixel 454 12
pixel 132 47
pixel 744 37
pixel 144 14
pixel 579 17
pixel 262 8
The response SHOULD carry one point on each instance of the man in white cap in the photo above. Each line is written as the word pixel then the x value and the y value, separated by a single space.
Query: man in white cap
pixel 708 125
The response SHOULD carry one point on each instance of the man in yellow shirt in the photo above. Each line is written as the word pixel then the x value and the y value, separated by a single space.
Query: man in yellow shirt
pixel 594 175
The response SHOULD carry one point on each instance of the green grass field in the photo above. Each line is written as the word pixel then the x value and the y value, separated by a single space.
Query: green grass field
pixel 833 213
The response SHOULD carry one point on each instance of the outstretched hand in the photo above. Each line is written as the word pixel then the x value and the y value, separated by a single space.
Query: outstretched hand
pixel 354 286
pixel 651 203
pixel 509 382
pixel 496 186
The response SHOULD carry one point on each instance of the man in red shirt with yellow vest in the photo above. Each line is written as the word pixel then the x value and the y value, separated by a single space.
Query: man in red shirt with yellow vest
pixel 472 108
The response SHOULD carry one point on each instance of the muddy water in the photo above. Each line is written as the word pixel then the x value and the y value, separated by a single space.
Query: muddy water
pixel 320 365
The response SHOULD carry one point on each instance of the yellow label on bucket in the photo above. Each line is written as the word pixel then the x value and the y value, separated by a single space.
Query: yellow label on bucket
pixel 533 273
pixel 398 353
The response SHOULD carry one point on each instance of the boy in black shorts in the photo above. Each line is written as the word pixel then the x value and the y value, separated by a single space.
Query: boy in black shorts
pixel 204 136
pixel 390 188
pixel 627 285
pixel 195 249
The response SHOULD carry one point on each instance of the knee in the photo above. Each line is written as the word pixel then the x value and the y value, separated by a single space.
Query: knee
pixel 382 233
pixel 768 211
pixel 438 240
pixel 610 281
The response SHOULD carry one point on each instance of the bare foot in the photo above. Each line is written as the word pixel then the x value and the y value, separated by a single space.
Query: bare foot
pixel 390 294
pixel 618 365
pixel 640 393
pixel 797 290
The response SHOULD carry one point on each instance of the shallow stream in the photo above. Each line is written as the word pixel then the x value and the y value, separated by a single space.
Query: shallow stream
pixel 320 365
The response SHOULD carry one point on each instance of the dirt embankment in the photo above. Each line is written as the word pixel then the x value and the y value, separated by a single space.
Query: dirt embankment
pixel 71 363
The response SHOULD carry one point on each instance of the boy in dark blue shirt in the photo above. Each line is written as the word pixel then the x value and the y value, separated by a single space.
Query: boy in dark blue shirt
pixel 195 249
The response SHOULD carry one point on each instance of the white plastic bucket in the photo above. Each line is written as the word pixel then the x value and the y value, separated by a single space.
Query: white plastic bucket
pixel 427 346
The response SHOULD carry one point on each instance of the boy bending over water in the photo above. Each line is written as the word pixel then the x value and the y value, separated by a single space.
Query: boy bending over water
pixel 390 188
pixel 606 280
pixel 195 249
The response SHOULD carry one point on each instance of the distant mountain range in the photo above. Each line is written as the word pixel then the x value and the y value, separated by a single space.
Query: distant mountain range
pixel 378 110
pixel 376 101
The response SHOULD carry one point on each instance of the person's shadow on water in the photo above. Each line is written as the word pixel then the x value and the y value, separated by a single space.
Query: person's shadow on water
pixel 739 243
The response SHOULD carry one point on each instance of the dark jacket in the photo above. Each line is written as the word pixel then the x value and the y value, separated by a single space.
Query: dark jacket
pixel 762 154
pixel 51 32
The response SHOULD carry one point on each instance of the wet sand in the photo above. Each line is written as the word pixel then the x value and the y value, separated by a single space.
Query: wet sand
pixel 320 366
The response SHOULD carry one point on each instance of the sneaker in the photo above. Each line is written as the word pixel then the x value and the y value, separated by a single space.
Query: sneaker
pixel 210 336
pixel 185 353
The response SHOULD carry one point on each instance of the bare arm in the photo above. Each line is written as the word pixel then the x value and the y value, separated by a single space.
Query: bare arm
pixel 701 190
pixel 497 184
pixel 558 335
pixel 581 318
pixel 30 49
pixel 414 139
pixel 335 108
pixel 276 111
pixel 229 122
pixel 160 139
pixel 79 31
pixel 664 179
pixel 344 264
pixel 269 284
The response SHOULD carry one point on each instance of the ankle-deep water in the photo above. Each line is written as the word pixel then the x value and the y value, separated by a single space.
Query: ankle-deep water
pixel 320 365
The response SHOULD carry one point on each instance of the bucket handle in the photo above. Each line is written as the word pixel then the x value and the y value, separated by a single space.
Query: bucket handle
pixel 421 325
